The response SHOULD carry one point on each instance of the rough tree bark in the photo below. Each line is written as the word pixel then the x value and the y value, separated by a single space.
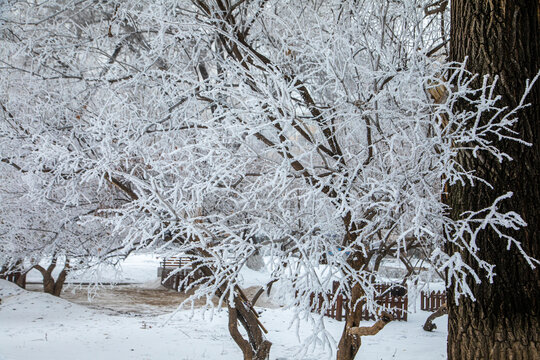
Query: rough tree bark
pixel 501 37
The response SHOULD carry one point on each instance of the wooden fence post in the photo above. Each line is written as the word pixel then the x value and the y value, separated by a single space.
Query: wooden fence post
pixel 339 307
pixel 432 301
pixel 406 307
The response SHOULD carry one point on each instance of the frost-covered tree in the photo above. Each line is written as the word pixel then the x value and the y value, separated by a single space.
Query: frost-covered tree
pixel 44 198
pixel 39 231
pixel 311 132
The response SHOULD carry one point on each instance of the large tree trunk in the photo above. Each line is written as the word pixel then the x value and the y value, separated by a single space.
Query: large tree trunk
pixel 500 37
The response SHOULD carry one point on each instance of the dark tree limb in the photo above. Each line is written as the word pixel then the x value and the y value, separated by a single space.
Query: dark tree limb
pixel 429 325
pixel 50 285
pixel 267 287
pixel 374 329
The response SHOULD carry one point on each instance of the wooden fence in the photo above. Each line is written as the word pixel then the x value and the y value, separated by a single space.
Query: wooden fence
pixel 432 301
pixel 396 305
pixel 182 266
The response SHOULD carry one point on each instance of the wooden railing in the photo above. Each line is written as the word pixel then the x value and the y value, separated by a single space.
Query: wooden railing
pixel 432 301
pixel 182 266
pixel 396 305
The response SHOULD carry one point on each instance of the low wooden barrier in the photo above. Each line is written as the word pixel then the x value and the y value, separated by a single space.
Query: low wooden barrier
pixel 396 305
pixel 432 301
pixel 182 267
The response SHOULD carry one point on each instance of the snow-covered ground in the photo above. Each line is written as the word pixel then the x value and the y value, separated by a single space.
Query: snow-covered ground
pixel 124 323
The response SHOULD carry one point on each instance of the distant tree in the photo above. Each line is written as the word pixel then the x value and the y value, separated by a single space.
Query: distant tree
pixel 40 231
pixel 501 39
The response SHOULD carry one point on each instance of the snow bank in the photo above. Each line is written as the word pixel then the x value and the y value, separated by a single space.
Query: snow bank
pixel 36 325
